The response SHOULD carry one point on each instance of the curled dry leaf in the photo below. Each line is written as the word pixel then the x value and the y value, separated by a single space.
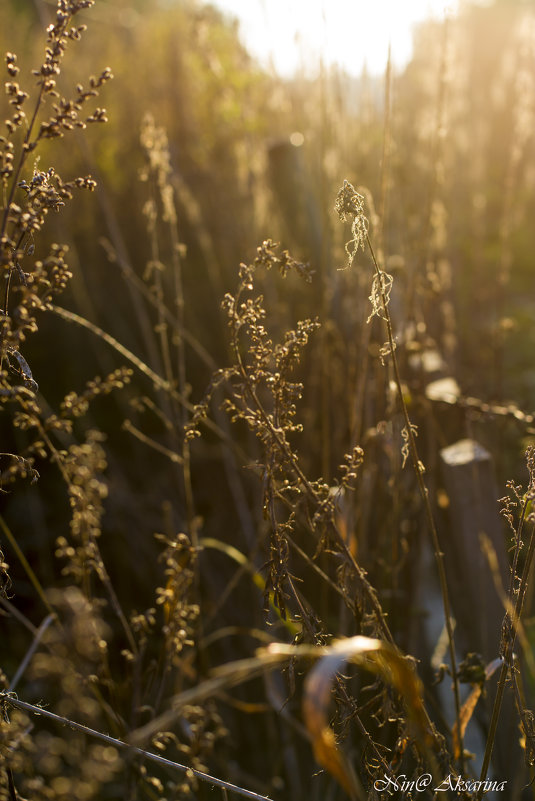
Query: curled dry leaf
pixel 467 709
pixel 376 656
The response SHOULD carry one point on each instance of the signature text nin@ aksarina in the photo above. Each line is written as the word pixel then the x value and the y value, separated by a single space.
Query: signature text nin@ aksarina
pixel 455 784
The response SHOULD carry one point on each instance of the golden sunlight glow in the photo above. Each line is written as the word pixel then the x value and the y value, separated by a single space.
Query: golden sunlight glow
pixel 294 34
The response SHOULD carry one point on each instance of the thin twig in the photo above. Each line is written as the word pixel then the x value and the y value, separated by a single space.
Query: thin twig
pixel 156 379
pixel 508 655
pixel 205 777
pixel 26 565
pixel 151 443
pixel 424 492
pixel 12 610
pixel 101 569
pixel 284 448
pixel 31 650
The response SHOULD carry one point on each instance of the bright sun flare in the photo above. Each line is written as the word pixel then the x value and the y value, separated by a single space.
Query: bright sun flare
pixel 289 34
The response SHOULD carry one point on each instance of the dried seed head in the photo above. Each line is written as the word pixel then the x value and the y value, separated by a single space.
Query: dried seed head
pixel 349 204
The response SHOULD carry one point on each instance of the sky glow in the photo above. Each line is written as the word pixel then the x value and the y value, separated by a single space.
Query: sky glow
pixel 290 34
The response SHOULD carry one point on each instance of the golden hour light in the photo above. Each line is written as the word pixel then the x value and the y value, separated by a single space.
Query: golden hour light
pixel 295 35
pixel 267 400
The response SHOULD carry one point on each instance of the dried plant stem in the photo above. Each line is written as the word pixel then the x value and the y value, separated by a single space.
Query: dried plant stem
pixel 8 699
pixel 157 446
pixel 182 379
pixel 31 650
pixel 284 448
pixel 140 365
pixel 161 328
pixel 317 569
pixel 357 422
pixel 156 379
pixel 512 629
pixel 26 565
pixel 387 137
pixel 22 158
pixel 161 188
pixel 116 255
pixel 17 614
pixel 424 492
pixel 25 149
pixel 101 569
pixel 280 451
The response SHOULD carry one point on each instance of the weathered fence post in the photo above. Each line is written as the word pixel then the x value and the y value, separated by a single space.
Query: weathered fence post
pixel 473 510
pixel 477 603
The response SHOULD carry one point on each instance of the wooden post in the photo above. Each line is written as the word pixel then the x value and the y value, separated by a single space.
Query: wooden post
pixel 473 511
pixel 293 192
pixel 478 608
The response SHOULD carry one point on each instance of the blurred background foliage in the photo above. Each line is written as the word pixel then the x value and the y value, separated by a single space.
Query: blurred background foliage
pixel 256 156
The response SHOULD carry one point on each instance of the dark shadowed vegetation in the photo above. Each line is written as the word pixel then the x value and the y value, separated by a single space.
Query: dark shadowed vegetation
pixel 267 397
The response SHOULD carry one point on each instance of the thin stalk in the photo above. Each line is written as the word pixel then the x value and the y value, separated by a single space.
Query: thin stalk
pixel 357 423
pixel 424 492
pixel 26 565
pixel 117 253
pixel 31 650
pixel 101 569
pixel 161 327
pixel 157 186
pixel 134 282
pixel 151 443
pixel 311 494
pixel 284 448
pixel 14 612
pixel 156 379
pixel 437 162
pixel 339 683
pixel 508 655
pixel 159 760
pixel 182 378
pixel 385 161
pixel 25 148
pixel 23 154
